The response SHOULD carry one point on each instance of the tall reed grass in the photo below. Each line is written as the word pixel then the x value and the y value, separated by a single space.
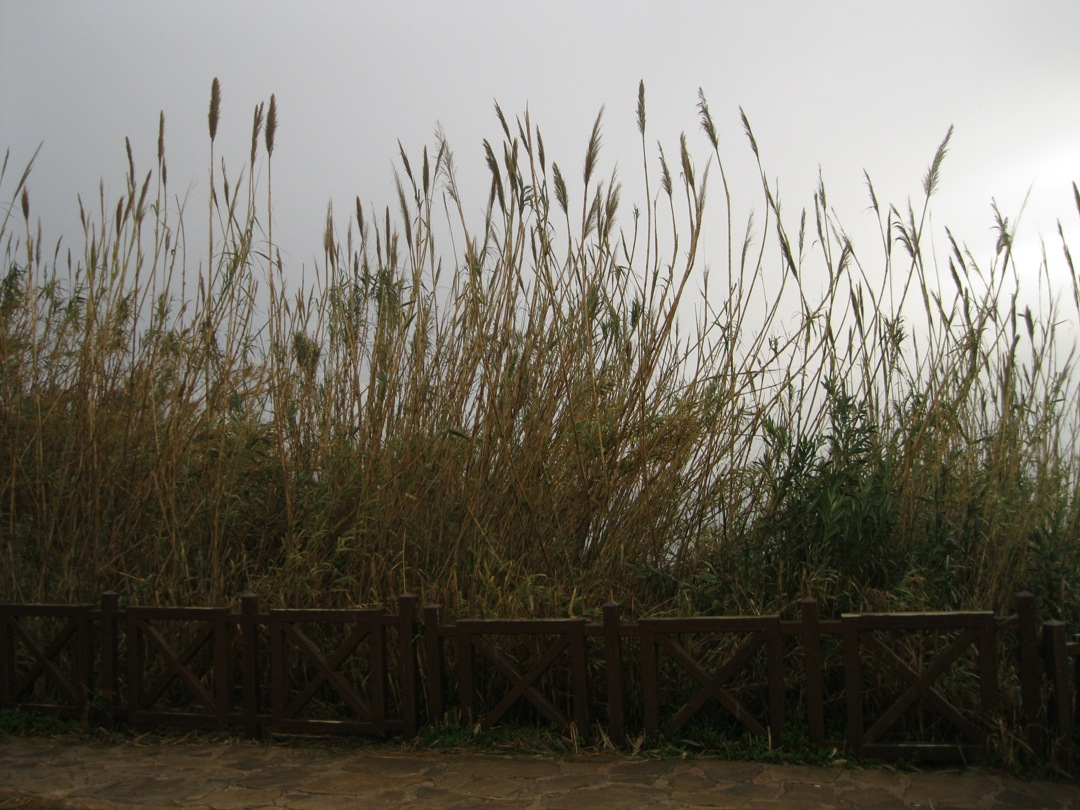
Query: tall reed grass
pixel 535 412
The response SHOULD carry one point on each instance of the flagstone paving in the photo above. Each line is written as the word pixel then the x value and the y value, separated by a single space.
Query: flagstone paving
pixel 64 773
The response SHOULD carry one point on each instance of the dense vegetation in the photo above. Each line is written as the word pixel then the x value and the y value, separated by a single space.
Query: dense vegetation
pixel 537 412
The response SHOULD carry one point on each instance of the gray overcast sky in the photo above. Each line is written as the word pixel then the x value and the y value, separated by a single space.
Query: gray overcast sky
pixel 844 86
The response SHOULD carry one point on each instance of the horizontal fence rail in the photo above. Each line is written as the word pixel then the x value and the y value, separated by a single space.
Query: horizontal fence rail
pixel 921 685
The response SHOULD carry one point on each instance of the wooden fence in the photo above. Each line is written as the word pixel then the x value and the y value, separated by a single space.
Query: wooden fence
pixel 924 685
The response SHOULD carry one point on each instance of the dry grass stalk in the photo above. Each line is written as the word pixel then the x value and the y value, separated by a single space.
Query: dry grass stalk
pixel 518 417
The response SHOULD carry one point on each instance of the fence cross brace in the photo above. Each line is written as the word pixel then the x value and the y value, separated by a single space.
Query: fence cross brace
pixel 43 658
pixel 922 684
pixel 177 665
pixel 713 686
pixel 327 670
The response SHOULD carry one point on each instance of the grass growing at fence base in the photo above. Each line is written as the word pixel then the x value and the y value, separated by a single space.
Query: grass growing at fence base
pixel 19 723
pixel 702 739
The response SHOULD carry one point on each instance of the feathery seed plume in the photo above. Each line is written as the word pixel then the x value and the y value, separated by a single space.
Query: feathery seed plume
pixel 426 172
pixel 641 107
pixel 687 165
pixel 707 120
pixel 560 188
pixel 271 125
pixel 665 173
pixel 593 152
pixel 215 107
pixel 932 174
pixel 256 130
pixel 749 132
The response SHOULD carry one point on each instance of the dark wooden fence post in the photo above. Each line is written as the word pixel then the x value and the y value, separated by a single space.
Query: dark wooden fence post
pixel 466 687
pixel 1031 705
pixel 579 669
pixel 110 654
pixel 433 665
pixel 1075 653
pixel 222 671
pixel 7 659
pixel 85 663
pixel 815 685
pixel 849 634
pixel 1060 714
pixel 136 665
pixel 379 675
pixel 774 658
pixel 650 677
pixel 407 652
pixel 613 665
pixel 988 665
pixel 249 663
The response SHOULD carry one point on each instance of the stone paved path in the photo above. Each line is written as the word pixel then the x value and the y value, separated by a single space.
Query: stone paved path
pixel 231 775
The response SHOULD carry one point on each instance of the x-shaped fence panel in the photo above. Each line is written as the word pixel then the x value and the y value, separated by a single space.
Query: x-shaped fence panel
pixel 316 670
pixel 178 665
pixel 45 672
pixel 658 635
pixel 861 634
pixel 896 685
pixel 568 636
